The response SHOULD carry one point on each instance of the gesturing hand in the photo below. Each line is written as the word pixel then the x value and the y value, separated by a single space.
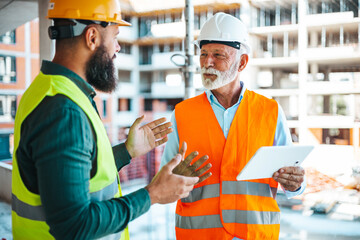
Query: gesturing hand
pixel 185 169
pixel 167 187
pixel 290 178
pixel 143 139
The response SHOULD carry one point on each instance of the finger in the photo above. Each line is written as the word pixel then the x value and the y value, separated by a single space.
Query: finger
pixel 288 184
pixel 202 170
pixel 204 177
pixel 186 191
pixel 190 157
pixel 137 122
pixel 291 177
pixel 173 162
pixel 292 170
pixel 190 181
pixel 183 149
pixel 200 161
pixel 161 128
pixel 161 141
pixel 156 122
pixel 163 133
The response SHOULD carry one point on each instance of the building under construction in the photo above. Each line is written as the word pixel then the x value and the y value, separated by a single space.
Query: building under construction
pixel 305 54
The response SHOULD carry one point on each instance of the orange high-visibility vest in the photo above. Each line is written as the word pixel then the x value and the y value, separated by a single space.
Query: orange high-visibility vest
pixel 222 207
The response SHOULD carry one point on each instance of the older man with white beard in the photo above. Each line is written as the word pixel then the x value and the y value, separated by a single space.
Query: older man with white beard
pixel 229 123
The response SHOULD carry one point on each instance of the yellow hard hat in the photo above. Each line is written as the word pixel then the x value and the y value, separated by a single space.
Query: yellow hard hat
pixel 93 10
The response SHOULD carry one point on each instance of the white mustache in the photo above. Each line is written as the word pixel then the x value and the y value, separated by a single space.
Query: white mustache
pixel 210 71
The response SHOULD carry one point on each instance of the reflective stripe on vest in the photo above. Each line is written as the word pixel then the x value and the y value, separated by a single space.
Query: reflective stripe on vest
pixel 37 213
pixel 230 187
pixel 229 216
pixel 221 205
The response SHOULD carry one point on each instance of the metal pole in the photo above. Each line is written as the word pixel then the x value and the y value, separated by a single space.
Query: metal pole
pixel 189 50
pixel 47 48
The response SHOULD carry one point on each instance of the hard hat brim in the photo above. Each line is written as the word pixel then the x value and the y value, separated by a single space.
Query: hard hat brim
pixel 116 22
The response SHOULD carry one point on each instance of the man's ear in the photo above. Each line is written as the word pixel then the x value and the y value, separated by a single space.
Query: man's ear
pixel 243 62
pixel 92 38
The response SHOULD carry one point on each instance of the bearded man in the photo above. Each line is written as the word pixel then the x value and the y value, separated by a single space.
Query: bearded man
pixel 229 123
pixel 65 182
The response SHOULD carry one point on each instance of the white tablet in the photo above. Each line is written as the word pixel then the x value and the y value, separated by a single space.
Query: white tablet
pixel 268 160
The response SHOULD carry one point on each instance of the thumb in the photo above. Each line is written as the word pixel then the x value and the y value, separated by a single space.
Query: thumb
pixel 138 121
pixel 183 150
pixel 174 162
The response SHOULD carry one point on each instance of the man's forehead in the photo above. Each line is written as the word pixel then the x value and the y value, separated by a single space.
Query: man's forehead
pixel 217 47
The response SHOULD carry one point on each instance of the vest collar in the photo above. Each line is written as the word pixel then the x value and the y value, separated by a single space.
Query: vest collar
pixel 212 99
pixel 50 68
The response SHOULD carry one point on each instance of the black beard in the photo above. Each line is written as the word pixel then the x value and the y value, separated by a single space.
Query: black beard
pixel 100 71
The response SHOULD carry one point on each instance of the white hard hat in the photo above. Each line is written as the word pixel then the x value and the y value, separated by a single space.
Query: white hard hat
pixel 226 29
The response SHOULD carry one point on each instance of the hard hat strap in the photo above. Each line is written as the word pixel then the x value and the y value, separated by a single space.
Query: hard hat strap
pixel 233 44
pixel 69 31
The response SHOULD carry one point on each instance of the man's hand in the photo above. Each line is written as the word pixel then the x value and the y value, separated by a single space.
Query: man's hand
pixel 143 139
pixel 290 178
pixel 167 187
pixel 185 169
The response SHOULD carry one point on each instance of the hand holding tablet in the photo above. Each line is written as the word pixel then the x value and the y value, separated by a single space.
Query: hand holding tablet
pixel 268 160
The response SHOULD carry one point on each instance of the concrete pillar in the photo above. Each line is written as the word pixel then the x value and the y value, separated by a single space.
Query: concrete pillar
pixel 313 39
pixel 245 13
pixel 47 49
pixel 286 44
pixel 269 44
pixel 341 35
pixel 323 37
pixel 314 69
pixel 5 179
pixel 293 13
pixel 326 103
pixel 359 34
pixel 303 71
pixel 262 17
pixel 356 142
pixel 27 55
pixel 277 15
pixel 135 74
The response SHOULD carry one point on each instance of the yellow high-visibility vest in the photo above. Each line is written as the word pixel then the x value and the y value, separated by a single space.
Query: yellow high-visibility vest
pixel 28 216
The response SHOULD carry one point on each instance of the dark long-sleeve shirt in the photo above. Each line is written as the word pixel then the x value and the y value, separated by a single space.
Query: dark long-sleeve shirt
pixel 57 157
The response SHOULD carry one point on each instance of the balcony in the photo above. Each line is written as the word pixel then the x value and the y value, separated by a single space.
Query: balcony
pixel 162 60
pixel 168 30
pixel 328 19
pixel 331 88
pixel 334 55
pixel 277 92
pixel 273 62
pixel 126 90
pixel 162 90
pixel 125 119
pixel 330 121
pixel 127 34
pixel 125 61
pixel 276 31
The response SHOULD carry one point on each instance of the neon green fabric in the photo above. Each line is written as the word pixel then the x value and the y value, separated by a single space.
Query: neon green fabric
pixel 27 216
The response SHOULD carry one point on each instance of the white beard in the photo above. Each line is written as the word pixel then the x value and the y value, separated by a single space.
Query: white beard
pixel 222 79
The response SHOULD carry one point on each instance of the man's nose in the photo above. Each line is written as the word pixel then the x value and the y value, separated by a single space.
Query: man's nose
pixel 117 47
pixel 209 62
